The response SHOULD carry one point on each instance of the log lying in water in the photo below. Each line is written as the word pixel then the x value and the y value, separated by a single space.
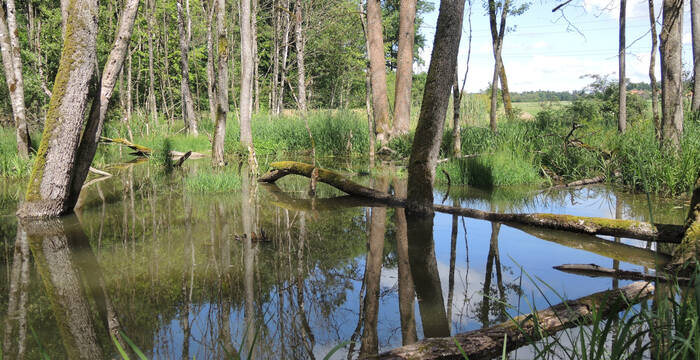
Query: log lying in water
pixel 689 250
pixel 593 270
pixel 144 151
pixel 580 224
pixel 522 330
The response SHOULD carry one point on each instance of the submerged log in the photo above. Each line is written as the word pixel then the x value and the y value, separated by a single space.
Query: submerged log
pixel 687 253
pixel 593 270
pixel 144 151
pixel 522 330
pixel 580 224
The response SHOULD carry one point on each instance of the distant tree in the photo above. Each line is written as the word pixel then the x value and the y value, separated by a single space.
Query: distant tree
pixel 695 29
pixel 652 73
pixel 247 62
pixel 217 156
pixel 185 29
pixel 391 21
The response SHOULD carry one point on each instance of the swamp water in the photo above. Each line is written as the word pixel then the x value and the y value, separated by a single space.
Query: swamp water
pixel 266 271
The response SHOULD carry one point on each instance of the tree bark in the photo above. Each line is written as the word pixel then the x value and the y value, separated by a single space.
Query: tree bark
pixel 287 24
pixel 246 103
pixel 377 66
pixel 300 45
pixel 671 74
pixel 456 99
pixel 404 68
pixel 652 73
pixel 209 10
pixel 426 144
pixel 221 85
pixel 493 110
pixel 256 56
pixel 695 30
pixel 687 253
pixel 188 115
pixel 152 106
pixel 49 188
pixel 521 330
pixel 622 104
pixel 12 62
pixel 100 104
pixel 505 92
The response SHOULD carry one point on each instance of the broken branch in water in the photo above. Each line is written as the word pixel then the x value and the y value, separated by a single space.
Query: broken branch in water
pixel 525 329
pixel 580 224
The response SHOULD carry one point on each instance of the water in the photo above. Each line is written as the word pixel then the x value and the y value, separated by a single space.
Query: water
pixel 267 270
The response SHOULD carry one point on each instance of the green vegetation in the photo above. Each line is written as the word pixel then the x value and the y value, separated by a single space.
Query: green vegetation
pixel 208 180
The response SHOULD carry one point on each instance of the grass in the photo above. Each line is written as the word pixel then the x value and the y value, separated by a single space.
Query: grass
pixel 209 180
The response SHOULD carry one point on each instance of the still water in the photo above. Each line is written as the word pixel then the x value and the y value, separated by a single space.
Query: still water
pixel 268 271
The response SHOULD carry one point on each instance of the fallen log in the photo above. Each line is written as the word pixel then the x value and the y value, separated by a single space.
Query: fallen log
pixel 525 329
pixel 580 224
pixel 144 151
pixel 593 270
pixel 685 256
pixel 283 200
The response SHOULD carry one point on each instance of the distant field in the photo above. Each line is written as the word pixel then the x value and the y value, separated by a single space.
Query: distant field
pixel 534 107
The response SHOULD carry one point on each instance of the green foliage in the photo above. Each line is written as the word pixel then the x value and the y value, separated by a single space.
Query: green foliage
pixel 210 180
pixel 11 164
pixel 505 167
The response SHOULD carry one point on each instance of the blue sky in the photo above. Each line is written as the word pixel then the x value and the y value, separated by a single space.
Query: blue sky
pixel 545 52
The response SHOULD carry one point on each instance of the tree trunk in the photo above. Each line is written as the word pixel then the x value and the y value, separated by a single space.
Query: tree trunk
pixel 211 55
pixel 622 81
pixel 695 29
pixel 246 102
pixel 671 74
pixel 652 73
pixel 152 107
pixel 426 145
pixel 276 18
pixel 689 249
pixel 456 99
pixel 49 185
pixel 493 110
pixel 300 45
pixel 221 85
pixel 100 104
pixel 404 68
pixel 521 330
pixel 256 56
pixel 188 115
pixel 505 92
pixel 9 46
pixel 377 66
pixel 287 24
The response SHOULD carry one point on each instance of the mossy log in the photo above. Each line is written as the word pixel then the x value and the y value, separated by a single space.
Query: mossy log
pixel 522 330
pixel 580 224
pixel 144 151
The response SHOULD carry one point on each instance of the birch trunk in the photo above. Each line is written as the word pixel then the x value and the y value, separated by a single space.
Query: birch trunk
pixel 49 187
pixel 456 99
pixel 246 102
pixel 221 85
pixel 211 77
pixel 426 145
pixel 301 71
pixel 188 116
pixel 152 107
pixel 404 68
pixel 12 62
pixel 671 74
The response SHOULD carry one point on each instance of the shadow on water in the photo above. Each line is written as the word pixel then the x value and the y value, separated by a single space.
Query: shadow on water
pixel 271 272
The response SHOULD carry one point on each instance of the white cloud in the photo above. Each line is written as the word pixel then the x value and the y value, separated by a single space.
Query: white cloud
pixel 540 45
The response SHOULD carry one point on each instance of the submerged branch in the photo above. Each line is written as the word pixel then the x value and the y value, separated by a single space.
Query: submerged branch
pixel 593 270
pixel 581 224
pixel 525 329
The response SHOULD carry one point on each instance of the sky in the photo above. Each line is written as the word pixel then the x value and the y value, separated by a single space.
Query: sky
pixel 548 51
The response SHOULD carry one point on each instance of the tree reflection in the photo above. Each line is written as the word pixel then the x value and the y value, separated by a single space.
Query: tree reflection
pixel 73 282
pixel 424 271
pixel 407 294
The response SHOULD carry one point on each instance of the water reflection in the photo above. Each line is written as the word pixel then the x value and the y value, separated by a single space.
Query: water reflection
pixel 273 273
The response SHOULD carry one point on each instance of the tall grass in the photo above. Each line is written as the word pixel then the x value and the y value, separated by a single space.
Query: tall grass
pixel 11 164
pixel 209 180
